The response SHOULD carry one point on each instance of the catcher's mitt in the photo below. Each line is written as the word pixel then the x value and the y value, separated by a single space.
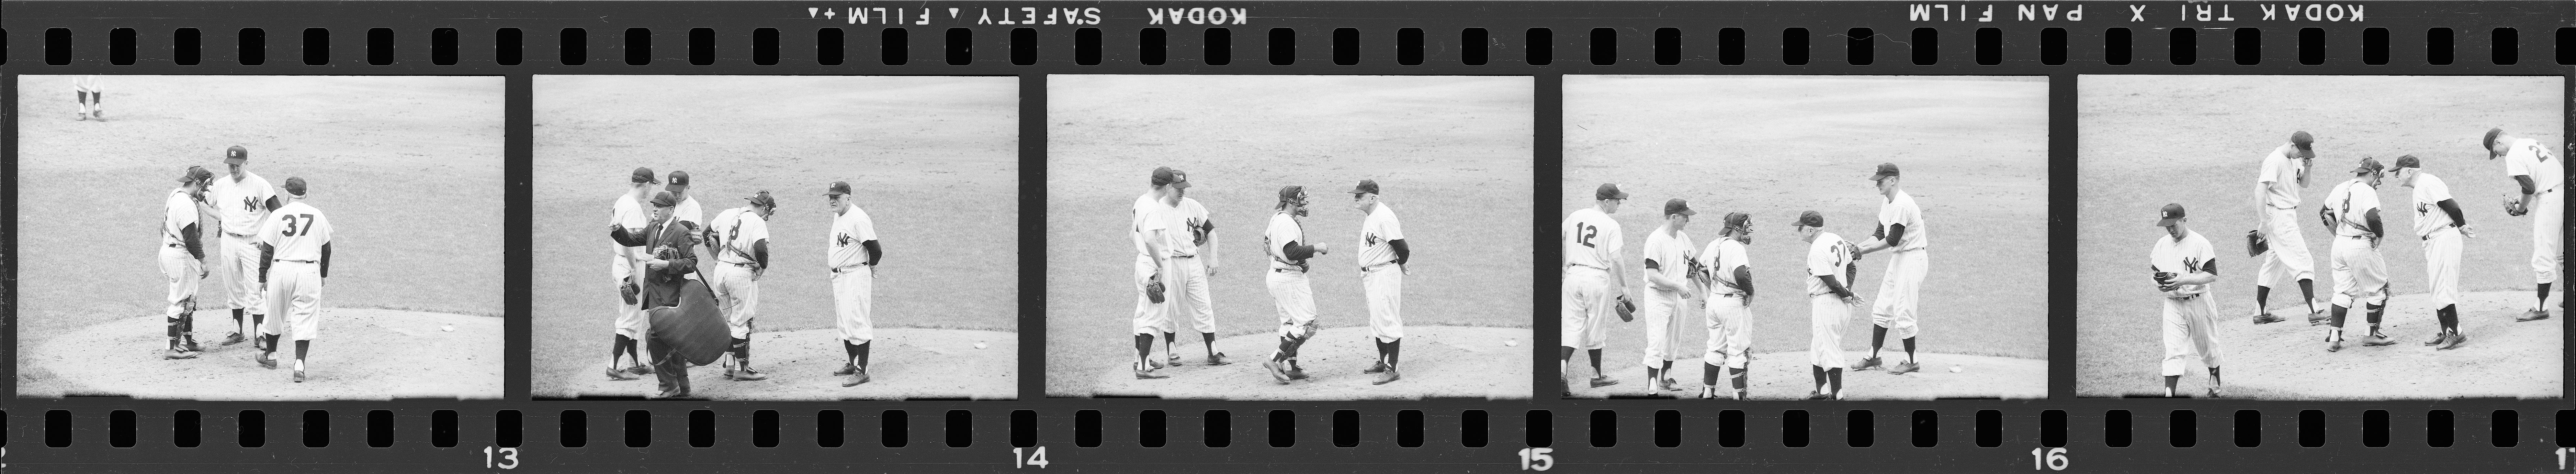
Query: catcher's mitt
pixel 1627 309
pixel 2255 245
pixel 2513 206
pixel 665 252
pixel 1154 290
pixel 2325 215
pixel 628 291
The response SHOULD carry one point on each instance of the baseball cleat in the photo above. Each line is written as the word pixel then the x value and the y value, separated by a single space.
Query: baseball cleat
pixel 1380 366
pixel 1743 395
pixel 2213 391
pixel 265 361
pixel 747 375
pixel 299 376
pixel 191 346
pixel 2455 341
pixel 2268 318
pixel 1150 375
pixel 856 379
pixel 2532 315
pixel 1272 366
pixel 1176 361
pixel 1217 359
pixel 2438 338
pixel 620 375
pixel 1157 363
pixel 1815 395
pixel 1670 384
pixel 1866 364
pixel 1295 373
pixel 1389 375
pixel 1598 382
pixel 640 369
pixel 177 354
pixel 2376 340
pixel 234 338
pixel 2334 346
pixel 847 369
pixel 2317 318
pixel 81 117
pixel 1902 368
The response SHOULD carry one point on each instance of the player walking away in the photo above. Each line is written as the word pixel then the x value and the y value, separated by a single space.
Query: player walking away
pixel 1592 240
pixel 2185 265
pixel 853 257
pixel 1285 241
pixel 1900 229
pixel 1830 262
pixel 2360 273
pixel 740 239
pixel 688 212
pixel 242 200
pixel 183 260
pixel 92 97
pixel 627 220
pixel 2440 225
pixel 1723 272
pixel 2540 176
pixel 1152 227
pixel 296 243
pixel 1196 256
pixel 1383 259
pixel 2276 194
pixel 1668 262
pixel 672 258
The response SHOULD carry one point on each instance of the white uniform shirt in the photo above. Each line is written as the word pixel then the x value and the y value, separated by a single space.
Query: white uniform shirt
pixel 2183 257
pixel 1720 259
pixel 2281 175
pixel 1194 227
pixel 689 211
pixel 1827 256
pixel 296 232
pixel 241 204
pixel 625 213
pixel 1671 256
pixel 177 211
pixel 2525 157
pixel 2352 202
pixel 1375 232
pixel 1283 229
pixel 2429 194
pixel 848 231
pixel 1902 210
pixel 1592 238
pixel 1149 215
pixel 736 230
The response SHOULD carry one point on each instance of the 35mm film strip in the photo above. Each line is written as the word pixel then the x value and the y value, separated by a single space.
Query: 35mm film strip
pixel 1402 231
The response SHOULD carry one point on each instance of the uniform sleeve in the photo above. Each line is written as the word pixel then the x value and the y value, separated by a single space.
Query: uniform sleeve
pixel 2271 171
pixel 1821 261
pixel 2517 162
pixel 1392 228
pixel 2208 256
pixel 754 229
pixel 2435 190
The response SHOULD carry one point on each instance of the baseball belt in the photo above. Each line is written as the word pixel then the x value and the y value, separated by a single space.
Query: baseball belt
pixel 1287 270
pixel 175 246
pixel 848 269
pixel 296 261
pixel 1184 256
pixel 743 265
pixel 1374 267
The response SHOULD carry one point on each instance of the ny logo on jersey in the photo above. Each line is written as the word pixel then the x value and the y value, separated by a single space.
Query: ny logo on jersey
pixel 2422 209
pixel 841 239
pixel 1371 239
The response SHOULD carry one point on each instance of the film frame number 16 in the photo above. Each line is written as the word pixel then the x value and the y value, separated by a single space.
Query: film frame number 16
pixel 2054 459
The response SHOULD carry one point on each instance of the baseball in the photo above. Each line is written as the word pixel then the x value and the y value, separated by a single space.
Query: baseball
pixel 1511 342
pixel 980 345
pixel 1954 369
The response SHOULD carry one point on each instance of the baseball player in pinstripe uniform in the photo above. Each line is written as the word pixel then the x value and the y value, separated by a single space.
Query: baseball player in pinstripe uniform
pixel 1153 229
pixel 627 221
pixel 1829 302
pixel 2541 177
pixel 853 255
pixel 1900 231
pixel 1382 257
pixel 242 201
pixel 296 244
pixel 1286 243
pixel 1725 274
pixel 2185 266
pixel 2440 225
pixel 183 259
pixel 688 213
pixel 2276 194
pixel 1591 286
pixel 2360 273
pixel 1666 276
pixel 740 240
pixel 1196 255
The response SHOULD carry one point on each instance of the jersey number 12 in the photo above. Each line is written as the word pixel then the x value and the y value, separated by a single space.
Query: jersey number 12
pixel 1585 233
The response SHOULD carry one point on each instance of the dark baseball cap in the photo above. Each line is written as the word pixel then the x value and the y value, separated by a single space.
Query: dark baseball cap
pixel 295 185
pixel 762 199
pixel 1679 206
pixel 1367 186
pixel 679 182
pixel 1810 219
pixel 195 174
pixel 2305 143
pixel 1290 192
pixel 837 188
pixel 1167 176
pixel 1738 219
pixel 2169 215
pixel 2489 141
pixel 2409 161
pixel 643 175
pixel 665 199
pixel 1608 191
pixel 2368 165
pixel 1885 170
pixel 238 155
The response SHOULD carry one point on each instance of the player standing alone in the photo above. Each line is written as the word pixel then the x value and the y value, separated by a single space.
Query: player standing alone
pixel 1383 255
pixel 1285 241
pixel 1726 276
pixel 1900 229
pixel 2360 273
pixel 626 222
pixel 296 243
pixel 2540 176
pixel 2440 224
pixel 242 201
pixel 2185 265
pixel 853 257
pixel 740 239
pixel 1830 300
pixel 1592 240
pixel 1668 261
pixel 92 97
pixel 1196 257
pixel 183 260
pixel 2276 193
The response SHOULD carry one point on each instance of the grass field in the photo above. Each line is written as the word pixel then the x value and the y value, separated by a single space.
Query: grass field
pixel 409 169
pixel 1452 155
pixel 933 160
pixel 1974 154
pixel 2200 140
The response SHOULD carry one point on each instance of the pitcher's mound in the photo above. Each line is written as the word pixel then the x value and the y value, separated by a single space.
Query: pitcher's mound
pixel 902 364
pixel 1437 361
pixel 361 354
pixel 2288 360
pixel 1785 376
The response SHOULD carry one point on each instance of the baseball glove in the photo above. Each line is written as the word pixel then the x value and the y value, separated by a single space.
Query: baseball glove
pixel 1154 290
pixel 628 291
pixel 2513 206
pixel 1627 309
pixel 2255 245
pixel 2326 216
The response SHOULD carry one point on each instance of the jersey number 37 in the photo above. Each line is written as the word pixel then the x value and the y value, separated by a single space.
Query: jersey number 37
pixel 298 224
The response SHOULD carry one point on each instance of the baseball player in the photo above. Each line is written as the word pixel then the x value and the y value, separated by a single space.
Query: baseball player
pixel 1196 256
pixel 1383 256
pixel 92 97
pixel 1829 301
pixel 2276 194
pixel 296 244
pixel 1153 227
pixel 688 212
pixel 2185 265
pixel 2440 225
pixel 740 237
pixel 1592 241
pixel 242 200
pixel 627 221
pixel 2540 176
pixel 1724 273
pixel 1285 241
pixel 1666 276
pixel 672 258
pixel 1900 230
pixel 853 256
pixel 2360 273
pixel 183 259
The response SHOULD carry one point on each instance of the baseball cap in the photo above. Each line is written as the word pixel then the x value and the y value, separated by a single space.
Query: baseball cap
pixel 1679 206
pixel 1738 219
pixel 665 199
pixel 2305 143
pixel 2489 141
pixel 2368 165
pixel 643 175
pixel 1165 175
pixel 1290 192
pixel 238 155
pixel 1811 219
pixel 195 174
pixel 1367 186
pixel 838 188
pixel 1885 170
pixel 2171 213
pixel 762 199
pixel 679 182
pixel 2409 161
pixel 295 185
pixel 1608 191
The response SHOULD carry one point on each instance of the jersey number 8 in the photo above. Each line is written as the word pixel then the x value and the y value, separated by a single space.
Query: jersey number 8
pixel 294 228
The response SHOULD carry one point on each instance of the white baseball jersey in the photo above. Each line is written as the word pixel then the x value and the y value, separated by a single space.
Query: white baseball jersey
pixel 1592 238
pixel 241 204
pixel 689 211
pixel 1194 227
pixel 848 230
pixel 1828 255
pixel 1147 216
pixel 2429 194
pixel 625 213
pixel 1668 256
pixel 1720 258
pixel 736 230
pixel 1283 229
pixel 177 211
pixel 1902 210
pixel 87 83
pixel 2525 157
pixel 2182 257
pixel 2352 201
pixel 2281 177
pixel 296 232
pixel 1380 227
